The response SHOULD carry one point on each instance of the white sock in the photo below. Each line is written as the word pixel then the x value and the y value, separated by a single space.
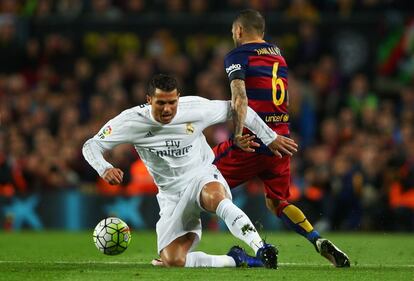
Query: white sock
pixel 200 259
pixel 239 224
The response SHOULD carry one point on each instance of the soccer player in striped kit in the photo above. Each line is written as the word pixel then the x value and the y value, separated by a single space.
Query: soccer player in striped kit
pixel 258 76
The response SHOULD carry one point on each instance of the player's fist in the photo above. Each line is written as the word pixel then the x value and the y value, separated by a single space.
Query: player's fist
pixel 283 145
pixel 113 176
pixel 246 143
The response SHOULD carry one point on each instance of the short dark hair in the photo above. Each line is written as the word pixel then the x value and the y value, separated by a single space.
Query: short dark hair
pixel 163 82
pixel 252 21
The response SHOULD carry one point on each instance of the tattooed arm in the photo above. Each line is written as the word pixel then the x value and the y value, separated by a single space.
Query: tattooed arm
pixel 238 105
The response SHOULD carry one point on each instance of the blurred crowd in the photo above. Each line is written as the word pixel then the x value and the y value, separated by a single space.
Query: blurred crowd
pixel 355 167
pixel 116 9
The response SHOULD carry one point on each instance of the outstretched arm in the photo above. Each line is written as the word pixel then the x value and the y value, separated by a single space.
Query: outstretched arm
pixel 276 143
pixel 216 111
pixel 238 105
pixel 284 145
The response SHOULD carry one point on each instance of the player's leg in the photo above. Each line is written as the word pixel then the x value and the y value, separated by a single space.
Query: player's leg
pixel 277 183
pixel 179 227
pixel 215 198
pixel 177 254
pixel 235 168
pixel 294 218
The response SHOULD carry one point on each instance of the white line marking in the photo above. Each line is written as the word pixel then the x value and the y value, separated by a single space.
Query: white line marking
pixel 288 264
pixel 358 265
pixel 77 262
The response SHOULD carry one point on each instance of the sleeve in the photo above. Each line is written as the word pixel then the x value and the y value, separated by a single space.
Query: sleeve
pixel 113 133
pixel 255 124
pixel 215 111
pixel 235 64
pixel 93 153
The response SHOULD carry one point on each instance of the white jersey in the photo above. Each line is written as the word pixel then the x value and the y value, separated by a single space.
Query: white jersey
pixel 171 152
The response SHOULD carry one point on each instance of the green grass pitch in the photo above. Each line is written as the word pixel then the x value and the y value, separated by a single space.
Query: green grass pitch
pixel 73 256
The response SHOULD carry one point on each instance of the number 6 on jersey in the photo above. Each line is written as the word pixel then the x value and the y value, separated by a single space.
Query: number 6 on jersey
pixel 277 81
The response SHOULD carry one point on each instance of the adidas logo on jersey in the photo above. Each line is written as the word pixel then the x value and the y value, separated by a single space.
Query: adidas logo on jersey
pixel 149 134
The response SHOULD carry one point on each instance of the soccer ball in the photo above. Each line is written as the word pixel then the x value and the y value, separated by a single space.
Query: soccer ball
pixel 111 236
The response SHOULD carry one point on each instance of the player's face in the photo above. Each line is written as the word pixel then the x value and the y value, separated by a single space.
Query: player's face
pixel 164 105
pixel 236 31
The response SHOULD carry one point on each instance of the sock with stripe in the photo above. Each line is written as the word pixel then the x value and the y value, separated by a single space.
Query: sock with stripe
pixel 294 218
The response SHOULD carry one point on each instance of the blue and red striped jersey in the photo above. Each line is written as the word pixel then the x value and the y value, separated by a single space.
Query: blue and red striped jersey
pixel 265 73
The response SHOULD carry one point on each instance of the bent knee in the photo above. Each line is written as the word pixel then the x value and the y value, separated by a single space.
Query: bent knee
pixel 276 206
pixel 175 261
pixel 272 204
pixel 211 196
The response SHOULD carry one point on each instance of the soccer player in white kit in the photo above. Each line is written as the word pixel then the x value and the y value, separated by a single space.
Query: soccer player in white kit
pixel 167 134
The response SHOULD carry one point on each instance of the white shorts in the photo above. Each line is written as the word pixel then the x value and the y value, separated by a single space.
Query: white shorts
pixel 180 212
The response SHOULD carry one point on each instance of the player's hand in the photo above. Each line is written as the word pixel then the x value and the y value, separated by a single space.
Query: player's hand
pixel 113 176
pixel 283 145
pixel 246 143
